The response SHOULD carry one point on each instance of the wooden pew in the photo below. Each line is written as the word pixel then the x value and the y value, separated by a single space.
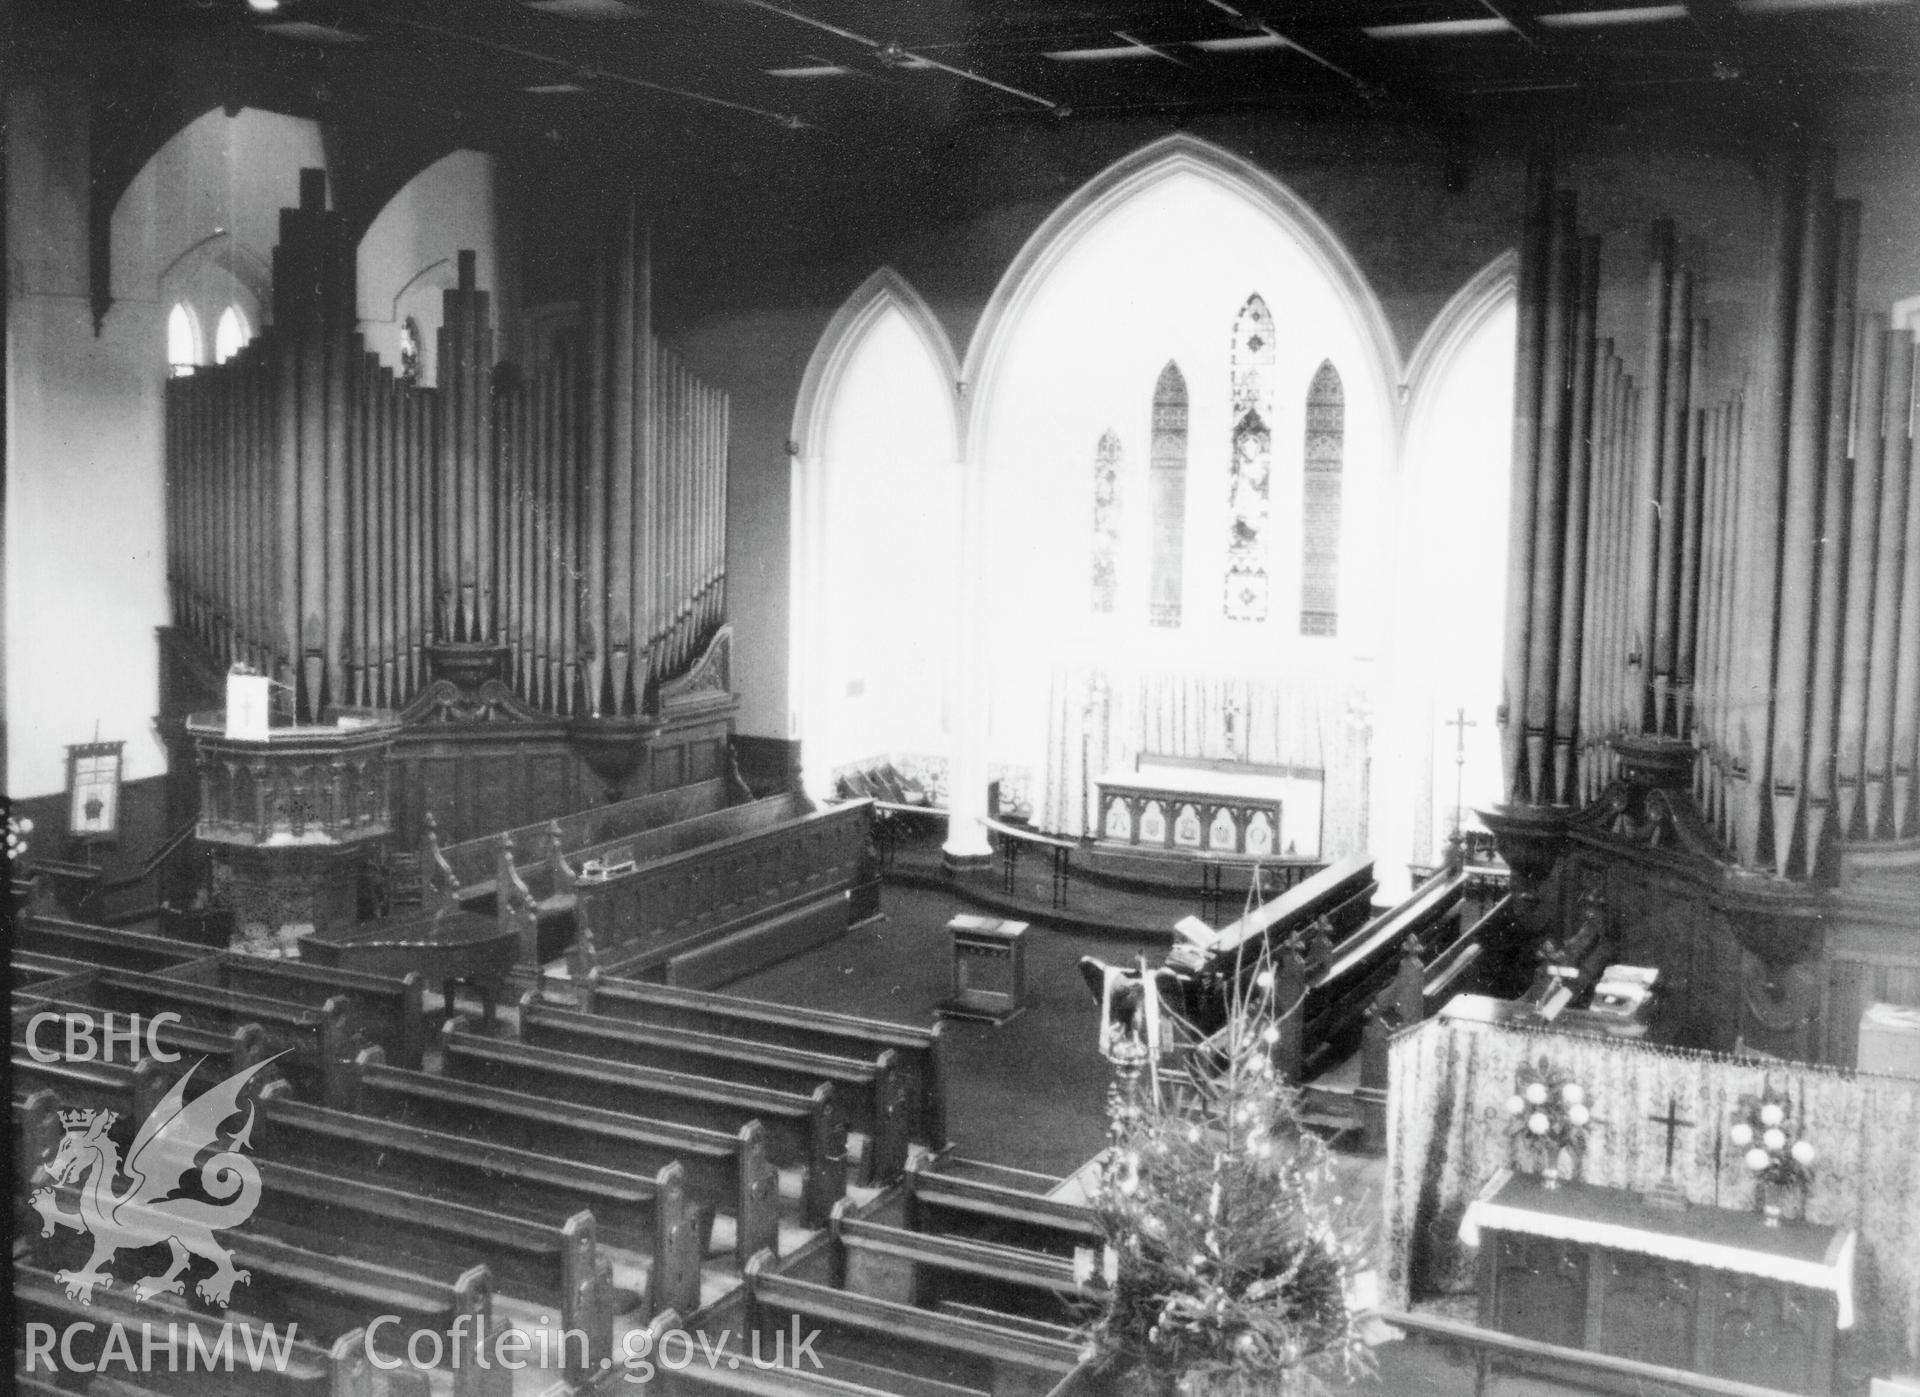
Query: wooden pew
pixel 649 1213
pixel 461 870
pixel 30 969
pixel 340 1369
pixel 535 894
pixel 556 1264
pixel 316 1039
pixel 914 1268
pixel 920 1052
pixel 329 1296
pixel 698 1378
pixel 1345 979
pixel 998 1359
pixel 113 948
pixel 727 1172
pixel 1340 894
pixel 806 1131
pixel 384 1011
pixel 873 1091
pixel 223 1052
pixel 332 1295
pixel 952 1206
pixel 726 909
pixel 131 1090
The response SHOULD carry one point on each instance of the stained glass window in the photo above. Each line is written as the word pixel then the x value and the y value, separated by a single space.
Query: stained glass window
pixel 183 340
pixel 1250 464
pixel 1320 514
pixel 1106 523
pixel 1167 496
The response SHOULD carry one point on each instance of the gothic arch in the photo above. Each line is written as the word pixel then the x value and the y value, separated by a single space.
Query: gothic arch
pixel 1122 181
pixel 885 290
pixel 819 697
pixel 1463 314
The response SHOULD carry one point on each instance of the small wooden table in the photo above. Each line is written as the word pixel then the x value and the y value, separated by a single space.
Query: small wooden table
pixel 989 969
pixel 447 948
pixel 1709 1290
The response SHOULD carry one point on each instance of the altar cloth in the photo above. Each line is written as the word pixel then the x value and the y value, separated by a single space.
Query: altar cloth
pixel 1805 1254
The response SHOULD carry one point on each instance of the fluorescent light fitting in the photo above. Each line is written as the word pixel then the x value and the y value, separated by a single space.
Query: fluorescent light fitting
pixel 1105 55
pixel 584 9
pixel 307 32
pixel 1761 7
pixel 1240 43
pixel 810 70
pixel 553 89
pixel 1602 19
pixel 263 7
pixel 1439 29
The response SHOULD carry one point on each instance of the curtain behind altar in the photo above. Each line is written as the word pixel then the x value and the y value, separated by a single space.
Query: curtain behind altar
pixel 1100 718
pixel 1448 1083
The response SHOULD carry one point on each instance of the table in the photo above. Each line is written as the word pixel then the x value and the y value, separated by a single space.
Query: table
pixel 1709 1290
pixel 445 947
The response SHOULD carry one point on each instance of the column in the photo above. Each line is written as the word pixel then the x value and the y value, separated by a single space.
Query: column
pixel 967 681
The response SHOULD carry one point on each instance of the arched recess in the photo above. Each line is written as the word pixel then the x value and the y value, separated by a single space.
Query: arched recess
pixel 1154 261
pixel 217 274
pixel 409 255
pixel 875 563
pixel 1453 509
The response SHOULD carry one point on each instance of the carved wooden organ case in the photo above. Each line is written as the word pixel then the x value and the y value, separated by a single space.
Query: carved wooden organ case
pixel 530 567
pixel 1711 713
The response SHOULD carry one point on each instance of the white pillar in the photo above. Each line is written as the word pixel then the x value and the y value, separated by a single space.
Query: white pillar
pixel 807 661
pixel 968 680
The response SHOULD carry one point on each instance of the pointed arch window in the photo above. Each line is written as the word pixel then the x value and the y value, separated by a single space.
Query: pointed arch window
pixel 230 334
pixel 1250 464
pixel 183 340
pixel 1106 524
pixel 1320 505
pixel 1167 497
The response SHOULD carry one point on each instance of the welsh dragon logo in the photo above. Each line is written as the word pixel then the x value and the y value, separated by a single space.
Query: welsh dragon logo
pixel 147 1213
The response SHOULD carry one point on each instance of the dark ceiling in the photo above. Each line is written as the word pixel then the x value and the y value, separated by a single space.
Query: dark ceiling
pixel 508 69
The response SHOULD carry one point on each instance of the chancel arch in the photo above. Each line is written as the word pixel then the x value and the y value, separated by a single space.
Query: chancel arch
pixel 1452 525
pixel 1184 299
pixel 875 478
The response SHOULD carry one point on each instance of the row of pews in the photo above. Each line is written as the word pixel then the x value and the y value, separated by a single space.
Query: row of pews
pixel 959 1282
pixel 580 1161
pixel 1353 975
pixel 684 887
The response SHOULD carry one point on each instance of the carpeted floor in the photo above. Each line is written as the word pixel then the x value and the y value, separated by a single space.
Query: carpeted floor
pixel 1030 1093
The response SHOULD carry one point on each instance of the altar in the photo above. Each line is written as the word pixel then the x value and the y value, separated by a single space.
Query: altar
pixel 1204 805
pixel 1710 1290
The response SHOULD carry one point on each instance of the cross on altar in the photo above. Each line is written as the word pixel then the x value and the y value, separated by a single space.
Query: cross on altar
pixel 1460 722
pixel 1672 1121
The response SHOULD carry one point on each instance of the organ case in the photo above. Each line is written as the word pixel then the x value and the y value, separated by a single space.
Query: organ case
pixel 530 567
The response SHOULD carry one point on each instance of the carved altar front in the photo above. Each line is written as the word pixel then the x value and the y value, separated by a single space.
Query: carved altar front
pixel 1707 1290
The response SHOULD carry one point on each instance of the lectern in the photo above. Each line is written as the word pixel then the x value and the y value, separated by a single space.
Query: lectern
pixel 291 813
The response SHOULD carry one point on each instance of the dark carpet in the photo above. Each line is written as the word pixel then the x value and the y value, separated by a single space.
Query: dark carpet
pixel 1030 1093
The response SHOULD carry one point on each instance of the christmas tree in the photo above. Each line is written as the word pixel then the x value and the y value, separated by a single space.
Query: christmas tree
pixel 1232 1249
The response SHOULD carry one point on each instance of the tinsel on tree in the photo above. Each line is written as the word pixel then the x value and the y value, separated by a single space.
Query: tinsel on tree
pixel 1232 1248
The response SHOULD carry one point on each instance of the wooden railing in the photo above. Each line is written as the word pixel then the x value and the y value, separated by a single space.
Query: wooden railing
pixel 1490 1348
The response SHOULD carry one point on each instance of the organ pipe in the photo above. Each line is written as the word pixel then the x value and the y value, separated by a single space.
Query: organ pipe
pixel 347 530
pixel 1741 576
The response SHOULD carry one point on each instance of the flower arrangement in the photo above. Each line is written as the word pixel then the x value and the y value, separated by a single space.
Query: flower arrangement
pixel 1550 1114
pixel 1771 1145
pixel 1234 1261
